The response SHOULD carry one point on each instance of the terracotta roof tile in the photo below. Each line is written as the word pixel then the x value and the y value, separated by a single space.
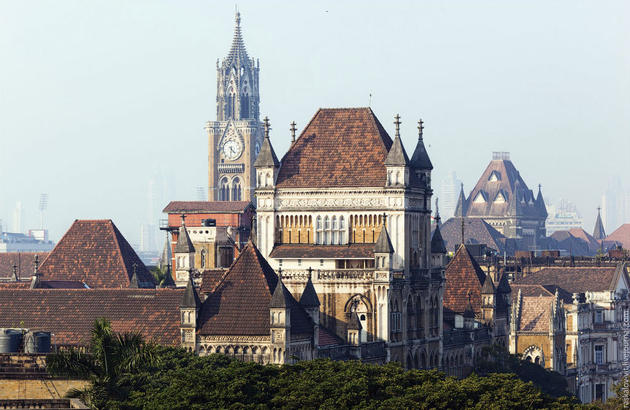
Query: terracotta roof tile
pixel 346 145
pixel 239 305
pixel 206 207
pixel 536 313
pixel 210 279
pixel 24 262
pixel 573 279
pixel 96 253
pixel 463 276
pixel 621 235
pixel 308 251
pixel 70 313
pixel 476 231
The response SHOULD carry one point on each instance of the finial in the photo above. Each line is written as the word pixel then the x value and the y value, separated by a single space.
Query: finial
pixel 238 17
pixel 183 216
pixel 420 129
pixel 397 124
pixel 15 275
pixel 36 263
pixel 267 127
pixel 310 273
pixel 384 219
pixel 469 294
pixel 437 211
pixel 134 266
pixel 599 208
pixel 293 129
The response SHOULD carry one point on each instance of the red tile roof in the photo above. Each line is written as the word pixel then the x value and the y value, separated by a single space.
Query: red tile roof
pixel 70 313
pixel 476 231
pixel 340 147
pixel 206 207
pixel 535 313
pixel 210 279
pixel 622 235
pixel 464 276
pixel 575 279
pixel 24 262
pixel 96 253
pixel 239 305
pixel 328 338
pixel 309 251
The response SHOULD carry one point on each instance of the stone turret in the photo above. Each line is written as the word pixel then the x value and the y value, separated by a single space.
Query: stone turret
pixel 354 329
pixel 488 300
pixel 189 310
pixel 266 163
pixel 280 323
pixel 420 162
pixel 310 303
pixel 184 256
pixel 397 162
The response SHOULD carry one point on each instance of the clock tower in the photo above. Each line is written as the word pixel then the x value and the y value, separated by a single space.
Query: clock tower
pixel 235 138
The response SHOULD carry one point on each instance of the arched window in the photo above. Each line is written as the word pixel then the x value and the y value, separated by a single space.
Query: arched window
pixel 236 189
pixel 203 258
pixel 335 230
pixel 326 230
pixel 342 230
pixel 318 231
pixel 224 190
pixel 245 105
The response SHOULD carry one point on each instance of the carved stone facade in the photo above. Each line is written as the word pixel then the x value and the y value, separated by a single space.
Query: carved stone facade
pixel 324 212
pixel 235 138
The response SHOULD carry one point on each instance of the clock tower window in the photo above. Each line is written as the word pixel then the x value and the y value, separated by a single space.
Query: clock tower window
pixel 236 189
pixel 224 191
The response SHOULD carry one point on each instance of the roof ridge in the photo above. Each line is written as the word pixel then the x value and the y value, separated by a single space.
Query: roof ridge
pixel 113 229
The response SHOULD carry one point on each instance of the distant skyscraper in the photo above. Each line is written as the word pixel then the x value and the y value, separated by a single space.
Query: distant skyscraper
pixel 17 217
pixel 615 205
pixel 449 191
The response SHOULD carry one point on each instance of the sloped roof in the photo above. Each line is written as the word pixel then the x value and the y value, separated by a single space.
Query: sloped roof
pixel 598 231
pixel 437 243
pixel 397 156
pixel 621 235
pixel 70 313
pixel 206 207
pixel 190 299
pixel 25 262
pixel 383 243
pixel 210 279
pixel 464 276
pixel 309 295
pixel 566 241
pixel 96 253
pixel 267 156
pixel 535 313
pixel 239 305
pixel 184 244
pixel 340 147
pixel 420 158
pixel 575 279
pixel 476 231
pixel 501 178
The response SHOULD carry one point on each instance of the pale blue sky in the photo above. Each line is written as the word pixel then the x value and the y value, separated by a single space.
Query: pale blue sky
pixel 97 97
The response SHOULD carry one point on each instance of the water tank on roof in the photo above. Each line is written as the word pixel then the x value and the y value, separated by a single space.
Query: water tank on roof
pixel 10 340
pixel 37 342
pixel 209 222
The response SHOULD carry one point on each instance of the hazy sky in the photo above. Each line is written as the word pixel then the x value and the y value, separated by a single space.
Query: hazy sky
pixel 99 97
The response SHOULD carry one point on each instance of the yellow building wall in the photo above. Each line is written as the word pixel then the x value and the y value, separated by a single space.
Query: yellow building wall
pixel 38 389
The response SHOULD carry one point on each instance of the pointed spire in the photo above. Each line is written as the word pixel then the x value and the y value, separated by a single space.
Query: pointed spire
pixel 133 283
pixel 420 158
pixel 309 296
pixel 461 209
pixel 437 242
pixel 281 297
pixel 293 129
pixel 397 155
pixel 266 157
pixel 184 244
pixel 383 243
pixel 598 232
pixel 488 285
pixel 540 203
pixel 190 299
pixel 237 50
pixel 354 323
pixel 168 278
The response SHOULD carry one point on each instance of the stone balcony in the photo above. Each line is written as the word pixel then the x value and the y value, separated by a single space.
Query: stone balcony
pixel 329 275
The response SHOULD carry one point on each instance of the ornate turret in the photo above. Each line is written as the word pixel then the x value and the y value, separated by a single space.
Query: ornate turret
pixel 189 311
pixel 266 163
pixel 280 322
pixel 488 300
pixel 184 255
pixel 310 302
pixel 540 203
pixel 354 329
pixel 420 163
pixel 397 161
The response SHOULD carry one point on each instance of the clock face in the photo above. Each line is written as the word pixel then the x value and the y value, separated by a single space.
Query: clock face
pixel 232 149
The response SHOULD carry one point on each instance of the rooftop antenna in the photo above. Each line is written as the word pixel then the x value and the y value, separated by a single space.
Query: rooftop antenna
pixel 370 100
pixel 43 204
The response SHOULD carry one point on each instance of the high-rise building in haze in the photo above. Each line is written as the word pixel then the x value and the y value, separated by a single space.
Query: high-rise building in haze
pixel 449 191
pixel 17 218
pixel 615 205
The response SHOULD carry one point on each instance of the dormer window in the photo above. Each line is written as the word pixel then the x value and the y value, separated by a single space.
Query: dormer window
pixel 500 198
pixel 494 176
pixel 479 198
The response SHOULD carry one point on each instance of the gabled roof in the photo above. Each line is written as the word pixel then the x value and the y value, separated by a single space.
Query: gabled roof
pixel 206 207
pixel 488 286
pixel 383 243
pixel 239 304
pixel 184 244
pixel 575 242
pixel 535 313
pixel 476 231
pixel 70 313
pixel 281 297
pixel 96 253
pixel 621 235
pixel 598 231
pixel 340 147
pixel 311 251
pixel 464 277
pixel 575 279
pixel 25 262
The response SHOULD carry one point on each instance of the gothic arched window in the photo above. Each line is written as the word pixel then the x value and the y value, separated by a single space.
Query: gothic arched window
pixel 236 189
pixel 342 230
pixel 224 190
pixel 335 230
pixel 245 104
pixel 203 258
pixel 318 230
pixel 327 230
